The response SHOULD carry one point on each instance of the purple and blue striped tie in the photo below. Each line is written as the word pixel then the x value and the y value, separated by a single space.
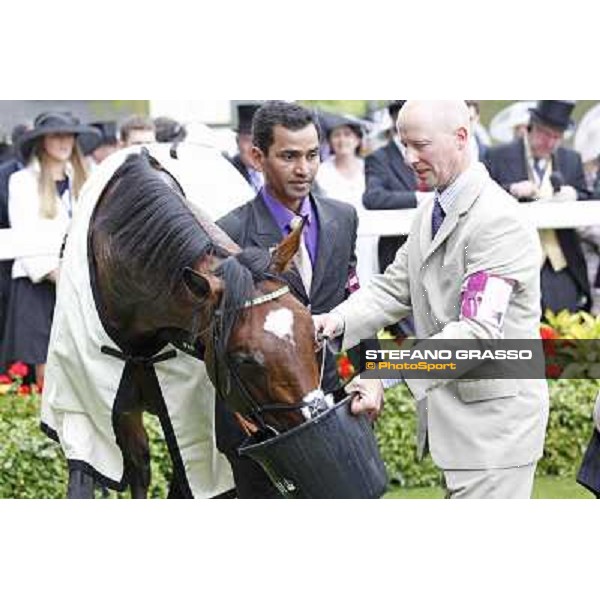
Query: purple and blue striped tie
pixel 437 217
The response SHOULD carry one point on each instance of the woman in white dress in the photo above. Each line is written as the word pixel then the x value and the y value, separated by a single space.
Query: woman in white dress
pixel 342 177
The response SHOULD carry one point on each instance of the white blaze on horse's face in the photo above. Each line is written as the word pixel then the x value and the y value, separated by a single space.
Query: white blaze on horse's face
pixel 280 323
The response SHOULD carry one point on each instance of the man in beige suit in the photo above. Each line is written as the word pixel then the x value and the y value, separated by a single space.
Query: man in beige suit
pixel 469 249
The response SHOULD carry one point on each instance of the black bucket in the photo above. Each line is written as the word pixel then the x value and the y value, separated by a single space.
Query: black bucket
pixel 334 455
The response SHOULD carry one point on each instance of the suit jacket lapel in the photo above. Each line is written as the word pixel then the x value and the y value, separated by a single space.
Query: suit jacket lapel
pixel 266 232
pixel 328 228
pixel 465 199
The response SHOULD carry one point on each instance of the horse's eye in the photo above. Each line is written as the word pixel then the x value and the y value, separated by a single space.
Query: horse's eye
pixel 248 360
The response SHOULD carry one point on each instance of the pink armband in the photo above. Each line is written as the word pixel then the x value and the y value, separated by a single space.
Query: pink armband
pixel 485 297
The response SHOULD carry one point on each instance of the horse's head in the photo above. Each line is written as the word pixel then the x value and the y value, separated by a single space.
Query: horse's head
pixel 260 347
pixel 165 272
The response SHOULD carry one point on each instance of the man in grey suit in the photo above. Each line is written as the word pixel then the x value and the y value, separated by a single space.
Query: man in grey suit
pixel 286 151
pixel 468 244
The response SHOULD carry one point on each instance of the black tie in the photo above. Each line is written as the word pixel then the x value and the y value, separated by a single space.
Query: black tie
pixel 537 165
pixel 437 217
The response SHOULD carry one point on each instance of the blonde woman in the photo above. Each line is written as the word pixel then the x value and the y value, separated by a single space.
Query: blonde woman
pixel 41 196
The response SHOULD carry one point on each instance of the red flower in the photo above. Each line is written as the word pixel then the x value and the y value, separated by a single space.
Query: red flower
pixel 548 333
pixel 18 370
pixel 552 371
pixel 24 390
pixel 5 379
pixel 345 368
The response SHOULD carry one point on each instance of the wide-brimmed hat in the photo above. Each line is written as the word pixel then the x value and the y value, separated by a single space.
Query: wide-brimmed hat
pixel 53 122
pixel 555 113
pixel 504 122
pixel 333 121
pixel 89 141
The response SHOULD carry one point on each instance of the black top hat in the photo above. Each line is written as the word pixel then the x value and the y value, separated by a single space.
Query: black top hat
pixel 394 107
pixel 245 113
pixel 52 122
pixel 555 113
pixel 108 136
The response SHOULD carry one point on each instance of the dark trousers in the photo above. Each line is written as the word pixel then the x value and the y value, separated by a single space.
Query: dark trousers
pixel 560 290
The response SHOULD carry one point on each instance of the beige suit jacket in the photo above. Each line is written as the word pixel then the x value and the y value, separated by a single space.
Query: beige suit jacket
pixel 468 424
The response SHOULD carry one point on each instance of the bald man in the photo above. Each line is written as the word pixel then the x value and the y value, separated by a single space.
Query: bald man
pixel 468 249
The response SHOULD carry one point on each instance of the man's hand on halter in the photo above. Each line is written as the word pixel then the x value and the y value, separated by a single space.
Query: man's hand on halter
pixel 328 326
pixel 368 397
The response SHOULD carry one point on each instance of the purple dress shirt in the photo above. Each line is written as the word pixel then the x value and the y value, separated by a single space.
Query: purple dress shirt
pixel 283 216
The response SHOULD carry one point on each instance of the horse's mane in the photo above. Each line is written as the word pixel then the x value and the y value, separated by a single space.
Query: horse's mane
pixel 146 234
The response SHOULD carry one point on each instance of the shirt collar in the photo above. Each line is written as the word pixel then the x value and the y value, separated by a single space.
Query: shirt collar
pixel 542 162
pixel 448 195
pixel 283 215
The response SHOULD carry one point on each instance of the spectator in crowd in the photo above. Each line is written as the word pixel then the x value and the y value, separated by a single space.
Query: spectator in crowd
pixel 100 148
pixel 536 168
pixel 469 271
pixel 480 140
pixel 10 166
pixel 43 192
pixel 243 160
pixel 169 130
pixel 390 185
pixel 342 177
pixel 286 150
pixel 137 130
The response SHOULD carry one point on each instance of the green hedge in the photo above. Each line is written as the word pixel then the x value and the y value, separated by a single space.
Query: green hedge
pixel 569 430
pixel 32 465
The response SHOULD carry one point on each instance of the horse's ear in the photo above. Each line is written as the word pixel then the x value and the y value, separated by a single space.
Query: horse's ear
pixel 284 253
pixel 196 283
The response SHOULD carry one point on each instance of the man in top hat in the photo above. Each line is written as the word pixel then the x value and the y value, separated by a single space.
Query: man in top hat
pixel 99 149
pixel 243 160
pixel 537 168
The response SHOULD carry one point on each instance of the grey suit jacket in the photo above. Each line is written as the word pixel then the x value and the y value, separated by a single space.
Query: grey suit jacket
pixel 469 424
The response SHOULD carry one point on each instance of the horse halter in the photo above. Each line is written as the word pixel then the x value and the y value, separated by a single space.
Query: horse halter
pixel 311 405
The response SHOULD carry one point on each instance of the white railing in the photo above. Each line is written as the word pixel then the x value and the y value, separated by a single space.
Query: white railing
pixel 16 243
pixel 544 215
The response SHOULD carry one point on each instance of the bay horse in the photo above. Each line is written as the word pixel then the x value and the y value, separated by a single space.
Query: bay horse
pixel 163 272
